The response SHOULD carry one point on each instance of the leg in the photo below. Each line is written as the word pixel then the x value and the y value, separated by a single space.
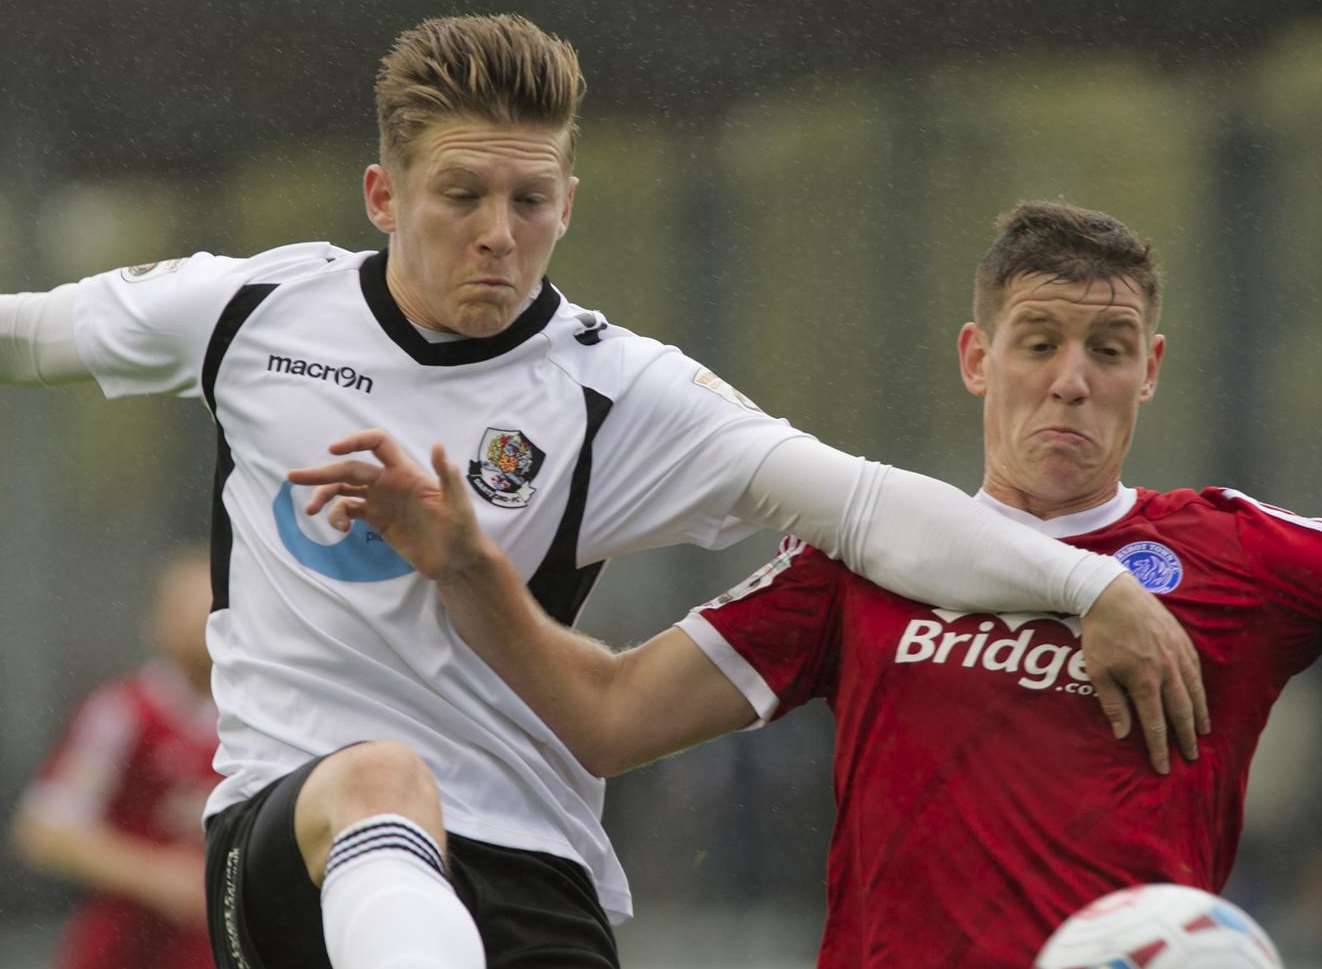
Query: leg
pixel 368 827
pixel 357 783
pixel 272 903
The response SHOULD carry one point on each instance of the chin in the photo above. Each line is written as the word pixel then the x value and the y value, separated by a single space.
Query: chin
pixel 1066 490
pixel 486 322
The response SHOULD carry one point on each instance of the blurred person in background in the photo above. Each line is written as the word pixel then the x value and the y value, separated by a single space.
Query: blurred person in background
pixel 978 802
pixel 381 783
pixel 115 808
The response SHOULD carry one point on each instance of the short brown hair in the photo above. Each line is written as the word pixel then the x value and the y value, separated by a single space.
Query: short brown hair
pixel 1066 243
pixel 503 69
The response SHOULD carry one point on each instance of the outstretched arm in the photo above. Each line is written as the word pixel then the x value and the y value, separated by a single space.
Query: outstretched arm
pixel 36 339
pixel 614 711
pixel 929 541
pixel 94 856
pixel 896 523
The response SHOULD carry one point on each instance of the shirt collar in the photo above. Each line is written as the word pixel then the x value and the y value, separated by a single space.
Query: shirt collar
pixel 1068 526
pixel 372 279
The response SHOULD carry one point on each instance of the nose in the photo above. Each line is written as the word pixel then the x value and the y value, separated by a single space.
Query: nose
pixel 496 235
pixel 1069 384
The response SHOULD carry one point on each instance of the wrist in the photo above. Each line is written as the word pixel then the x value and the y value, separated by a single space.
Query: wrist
pixel 1117 588
pixel 1091 580
pixel 479 563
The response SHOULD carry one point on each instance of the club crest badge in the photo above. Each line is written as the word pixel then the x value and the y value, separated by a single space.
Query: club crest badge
pixel 1156 567
pixel 504 470
pixel 149 270
pixel 708 380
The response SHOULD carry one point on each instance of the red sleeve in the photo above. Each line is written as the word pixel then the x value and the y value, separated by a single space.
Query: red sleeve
pixel 82 775
pixel 776 634
pixel 1285 552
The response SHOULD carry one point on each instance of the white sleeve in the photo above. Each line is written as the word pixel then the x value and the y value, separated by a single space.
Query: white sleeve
pixel 36 339
pixel 918 536
pixel 676 451
pixel 145 329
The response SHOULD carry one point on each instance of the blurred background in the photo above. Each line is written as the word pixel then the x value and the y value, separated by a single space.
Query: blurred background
pixel 794 193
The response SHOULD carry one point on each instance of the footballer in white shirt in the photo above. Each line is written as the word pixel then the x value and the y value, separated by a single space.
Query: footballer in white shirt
pixel 387 799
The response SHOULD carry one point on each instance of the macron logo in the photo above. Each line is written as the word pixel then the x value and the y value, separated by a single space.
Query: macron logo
pixel 1026 653
pixel 346 377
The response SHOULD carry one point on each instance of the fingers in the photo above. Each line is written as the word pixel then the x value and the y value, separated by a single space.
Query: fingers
pixel 1114 705
pixel 365 440
pixel 1143 652
pixel 1182 693
pixel 1147 700
pixel 386 449
pixel 449 475
pixel 349 478
pixel 345 511
pixel 323 495
pixel 1191 672
pixel 1180 713
pixel 338 472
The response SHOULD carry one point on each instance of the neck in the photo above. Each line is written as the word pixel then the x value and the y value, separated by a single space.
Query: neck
pixel 413 305
pixel 1047 507
pixel 410 302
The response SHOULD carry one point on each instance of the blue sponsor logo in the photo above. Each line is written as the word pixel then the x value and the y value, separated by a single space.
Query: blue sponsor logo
pixel 1156 567
pixel 361 556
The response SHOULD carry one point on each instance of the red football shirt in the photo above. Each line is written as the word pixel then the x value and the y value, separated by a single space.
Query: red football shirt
pixel 136 757
pixel 980 796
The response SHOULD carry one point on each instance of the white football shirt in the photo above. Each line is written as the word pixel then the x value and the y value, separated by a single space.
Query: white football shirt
pixel 580 441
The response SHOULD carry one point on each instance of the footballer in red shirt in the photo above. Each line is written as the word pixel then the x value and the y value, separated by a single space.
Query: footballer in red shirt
pixel 981 799
pixel 117 806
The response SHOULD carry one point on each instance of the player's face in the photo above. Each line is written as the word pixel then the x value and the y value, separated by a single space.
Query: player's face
pixel 1062 375
pixel 472 220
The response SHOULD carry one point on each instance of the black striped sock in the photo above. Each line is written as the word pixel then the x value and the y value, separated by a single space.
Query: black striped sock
pixel 382 835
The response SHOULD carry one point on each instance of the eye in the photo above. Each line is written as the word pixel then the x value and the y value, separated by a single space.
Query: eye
pixel 460 194
pixel 1110 350
pixel 533 199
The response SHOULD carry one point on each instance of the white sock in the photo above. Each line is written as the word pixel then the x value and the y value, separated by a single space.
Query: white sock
pixel 387 904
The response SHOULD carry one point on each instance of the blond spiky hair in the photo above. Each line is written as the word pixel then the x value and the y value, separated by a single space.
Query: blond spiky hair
pixel 503 69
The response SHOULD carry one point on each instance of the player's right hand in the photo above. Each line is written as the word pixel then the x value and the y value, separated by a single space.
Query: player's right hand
pixel 1136 652
pixel 425 516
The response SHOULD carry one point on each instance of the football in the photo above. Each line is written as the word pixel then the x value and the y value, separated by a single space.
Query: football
pixel 1159 927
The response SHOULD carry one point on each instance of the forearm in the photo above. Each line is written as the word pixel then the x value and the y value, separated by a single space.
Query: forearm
pixel 564 676
pixel 37 341
pixel 917 536
pixel 97 858
pixel 615 711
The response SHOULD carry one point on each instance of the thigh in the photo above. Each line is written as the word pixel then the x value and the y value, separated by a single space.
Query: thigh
pixel 533 910
pixel 263 910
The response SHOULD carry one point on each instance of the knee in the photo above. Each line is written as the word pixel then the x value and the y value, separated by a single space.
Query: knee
pixel 378 777
pixel 382 776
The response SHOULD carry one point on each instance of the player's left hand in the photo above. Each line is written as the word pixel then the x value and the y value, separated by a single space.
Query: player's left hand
pixel 1134 648
pixel 426 516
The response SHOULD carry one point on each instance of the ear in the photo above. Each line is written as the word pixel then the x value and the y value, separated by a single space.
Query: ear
pixel 973 345
pixel 568 211
pixel 379 198
pixel 1155 352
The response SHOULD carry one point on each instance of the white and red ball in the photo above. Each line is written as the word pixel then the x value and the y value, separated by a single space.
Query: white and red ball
pixel 1159 927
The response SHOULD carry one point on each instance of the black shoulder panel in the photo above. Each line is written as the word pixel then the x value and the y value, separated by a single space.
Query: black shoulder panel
pixel 235 314
pixel 559 584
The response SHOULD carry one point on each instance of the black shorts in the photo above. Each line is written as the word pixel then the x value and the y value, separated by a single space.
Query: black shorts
pixel 533 910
